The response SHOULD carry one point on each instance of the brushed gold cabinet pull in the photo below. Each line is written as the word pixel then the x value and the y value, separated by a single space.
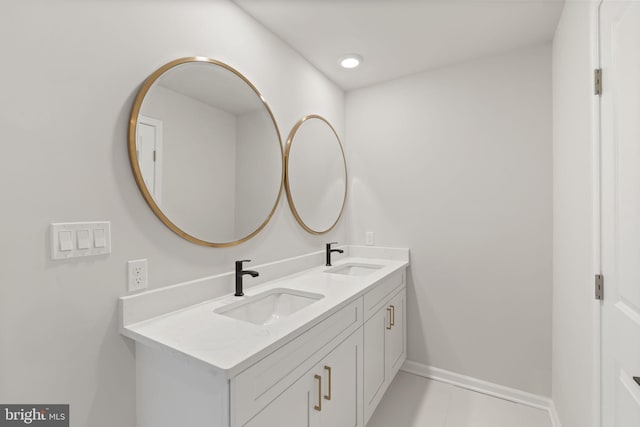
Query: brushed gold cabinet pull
pixel 393 316
pixel 328 369
pixel 318 407
pixel 389 311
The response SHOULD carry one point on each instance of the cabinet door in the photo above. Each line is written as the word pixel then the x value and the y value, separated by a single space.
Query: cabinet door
pixel 293 408
pixel 385 350
pixel 395 345
pixel 329 395
pixel 375 332
pixel 341 373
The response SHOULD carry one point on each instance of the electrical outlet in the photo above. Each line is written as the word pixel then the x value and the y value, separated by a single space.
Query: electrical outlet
pixel 137 274
pixel 369 238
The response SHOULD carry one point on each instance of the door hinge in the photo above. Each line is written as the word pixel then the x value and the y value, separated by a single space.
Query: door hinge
pixel 597 81
pixel 154 155
pixel 599 286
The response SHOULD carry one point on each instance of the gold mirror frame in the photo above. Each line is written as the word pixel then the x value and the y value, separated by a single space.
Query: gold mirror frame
pixel 135 167
pixel 295 212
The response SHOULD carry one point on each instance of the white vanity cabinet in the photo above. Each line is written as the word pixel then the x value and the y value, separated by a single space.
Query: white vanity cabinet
pixel 316 378
pixel 291 409
pixel 331 371
pixel 385 344
pixel 328 395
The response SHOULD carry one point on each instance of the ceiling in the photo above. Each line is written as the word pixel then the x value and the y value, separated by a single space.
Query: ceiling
pixel 212 85
pixel 401 37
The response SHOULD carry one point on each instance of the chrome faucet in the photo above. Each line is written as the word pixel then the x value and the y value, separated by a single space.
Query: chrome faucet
pixel 239 273
pixel 329 250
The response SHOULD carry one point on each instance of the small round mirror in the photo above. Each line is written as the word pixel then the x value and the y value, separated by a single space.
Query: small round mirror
pixel 315 174
pixel 206 152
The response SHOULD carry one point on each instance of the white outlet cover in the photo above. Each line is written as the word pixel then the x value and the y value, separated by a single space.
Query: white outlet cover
pixel 137 275
pixel 369 238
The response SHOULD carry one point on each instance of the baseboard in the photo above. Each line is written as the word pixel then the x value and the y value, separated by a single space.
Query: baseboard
pixel 484 387
pixel 553 413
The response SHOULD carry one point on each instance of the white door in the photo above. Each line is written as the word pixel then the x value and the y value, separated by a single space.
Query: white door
pixel 620 126
pixel 149 152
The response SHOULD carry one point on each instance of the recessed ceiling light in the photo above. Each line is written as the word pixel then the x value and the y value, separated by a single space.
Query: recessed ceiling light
pixel 351 61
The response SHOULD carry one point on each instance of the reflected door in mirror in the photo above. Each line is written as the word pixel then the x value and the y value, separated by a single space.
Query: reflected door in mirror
pixel 149 152
pixel 219 176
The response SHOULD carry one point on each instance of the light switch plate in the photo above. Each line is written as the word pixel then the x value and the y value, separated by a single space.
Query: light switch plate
pixel 78 239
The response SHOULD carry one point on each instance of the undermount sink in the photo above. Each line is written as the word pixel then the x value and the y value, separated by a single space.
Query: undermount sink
pixel 267 307
pixel 354 269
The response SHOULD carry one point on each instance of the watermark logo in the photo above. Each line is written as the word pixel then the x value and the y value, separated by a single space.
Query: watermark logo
pixel 34 415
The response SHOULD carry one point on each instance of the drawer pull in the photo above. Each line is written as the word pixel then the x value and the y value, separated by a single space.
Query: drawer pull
pixel 328 369
pixel 318 407
pixel 390 324
pixel 393 315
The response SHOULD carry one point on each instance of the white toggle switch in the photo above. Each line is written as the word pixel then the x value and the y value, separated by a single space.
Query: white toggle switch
pixel 83 239
pixel 66 241
pixel 99 240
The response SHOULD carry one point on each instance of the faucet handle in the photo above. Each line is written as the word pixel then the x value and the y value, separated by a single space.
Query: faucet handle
pixel 331 243
pixel 244 260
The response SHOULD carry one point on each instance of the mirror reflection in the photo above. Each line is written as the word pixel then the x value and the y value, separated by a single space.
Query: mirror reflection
pixel 206 152
pixel 316 174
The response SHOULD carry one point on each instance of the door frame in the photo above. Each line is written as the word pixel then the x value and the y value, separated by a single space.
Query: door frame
pixel 157 164
pixel 597 219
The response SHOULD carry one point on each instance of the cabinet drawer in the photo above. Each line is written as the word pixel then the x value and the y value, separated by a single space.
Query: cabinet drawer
pixel 261 383
pixel 378 296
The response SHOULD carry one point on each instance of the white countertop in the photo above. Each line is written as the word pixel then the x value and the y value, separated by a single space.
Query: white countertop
pixel 229 345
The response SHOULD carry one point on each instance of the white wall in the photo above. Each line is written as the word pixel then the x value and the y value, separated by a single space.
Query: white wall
pixel 198 164
pixel 456 165
pixel 71 71
pixel 573 237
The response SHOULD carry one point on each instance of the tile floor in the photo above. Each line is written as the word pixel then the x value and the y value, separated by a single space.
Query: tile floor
pixel 414 401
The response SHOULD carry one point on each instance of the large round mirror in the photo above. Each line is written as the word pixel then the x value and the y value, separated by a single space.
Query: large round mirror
pixel 206 152
pixel 315 174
